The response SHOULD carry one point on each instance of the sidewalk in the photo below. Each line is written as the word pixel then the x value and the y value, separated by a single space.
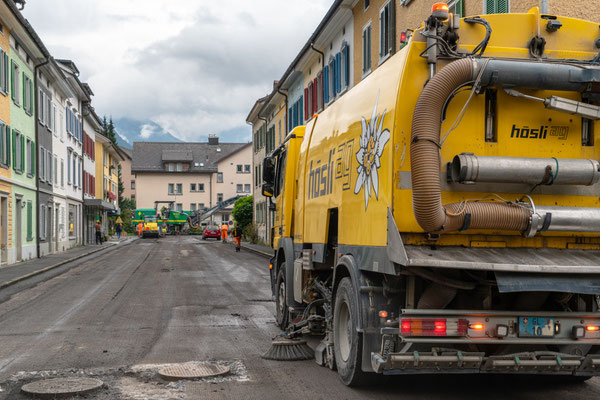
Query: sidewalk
pixel 20 271
pixel 257 248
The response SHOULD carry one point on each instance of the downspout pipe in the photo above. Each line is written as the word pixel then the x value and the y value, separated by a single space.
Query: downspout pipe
pixel 429 212
pixel 37 146
pixel 286 109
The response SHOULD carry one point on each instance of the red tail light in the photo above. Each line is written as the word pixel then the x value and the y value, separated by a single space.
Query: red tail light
pixel 403 37
pixel 433 327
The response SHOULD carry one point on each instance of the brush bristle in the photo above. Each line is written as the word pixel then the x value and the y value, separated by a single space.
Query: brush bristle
pixel 289 352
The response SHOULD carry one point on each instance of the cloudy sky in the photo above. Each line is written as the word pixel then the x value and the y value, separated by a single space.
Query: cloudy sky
pixel 188 67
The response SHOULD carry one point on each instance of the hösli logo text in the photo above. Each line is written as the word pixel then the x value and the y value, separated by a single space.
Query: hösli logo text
pixel 542 132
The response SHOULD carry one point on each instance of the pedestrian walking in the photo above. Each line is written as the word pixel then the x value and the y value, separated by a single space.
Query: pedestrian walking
pixel 224 230
pixel 98 233
pixel 237 236
pixel 140 229
pixel 119 229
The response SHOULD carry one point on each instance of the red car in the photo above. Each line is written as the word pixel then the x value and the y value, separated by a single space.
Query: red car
pixel 211 232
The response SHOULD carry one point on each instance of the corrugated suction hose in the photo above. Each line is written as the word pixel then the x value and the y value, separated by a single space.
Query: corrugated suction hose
pixel 431 215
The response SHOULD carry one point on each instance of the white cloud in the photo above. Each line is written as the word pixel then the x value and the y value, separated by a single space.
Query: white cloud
pixel 147 131
pixel 123 137
pixel 193 67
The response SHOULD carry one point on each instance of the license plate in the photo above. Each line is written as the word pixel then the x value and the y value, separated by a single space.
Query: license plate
pixel 536 327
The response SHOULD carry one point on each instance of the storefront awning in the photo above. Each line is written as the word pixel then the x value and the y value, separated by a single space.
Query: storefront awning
pixel 99 203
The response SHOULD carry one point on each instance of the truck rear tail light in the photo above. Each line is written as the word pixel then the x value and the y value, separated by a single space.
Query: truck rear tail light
pixel 477 326
pixel 592 328
pixel 433 327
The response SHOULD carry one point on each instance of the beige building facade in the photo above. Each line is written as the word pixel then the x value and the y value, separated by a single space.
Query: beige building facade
pixel 126 176
pixel 194 176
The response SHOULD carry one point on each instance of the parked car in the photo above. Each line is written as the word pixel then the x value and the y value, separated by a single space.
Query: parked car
pixel 211 232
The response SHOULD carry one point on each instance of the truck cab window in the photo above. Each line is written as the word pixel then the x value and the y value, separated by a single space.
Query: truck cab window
pixel 280 173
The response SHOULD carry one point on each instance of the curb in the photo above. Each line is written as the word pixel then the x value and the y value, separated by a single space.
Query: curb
pixel 51 267
pixel 262 253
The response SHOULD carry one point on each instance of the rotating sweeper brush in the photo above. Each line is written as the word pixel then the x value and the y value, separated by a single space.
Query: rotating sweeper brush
pixel 285 349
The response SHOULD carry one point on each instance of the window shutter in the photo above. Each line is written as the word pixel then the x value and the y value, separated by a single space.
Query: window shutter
pixel 29 218
pixel 326 85
pixel 32 158
pixel 306 104
pixel 24 92
pixel 12 79
pixel 338 58
pixel 490 7
pixel 8 148
pixel 315 95
pixel 300 109
pixel 14 149
pixel 502 6
pixel 23 153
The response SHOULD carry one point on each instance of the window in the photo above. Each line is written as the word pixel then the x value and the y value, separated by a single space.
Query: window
pixel 18 151
pixel 179 167
pixel 192 187
pixel 4 145
pixel 239 168
pixel 386 30
pixel 219 197
pixel 366 44
pixel 345 66
pixel 246 188
pixel 179 188
pixel 62 173
pixel 132 184
pixel 247 166
pixel 30 160
pixel 219 177
pixel 171 188
pixel 29 221
pixel 201 206
pixel 15 73
pixel 69 168
pixel 171 167
pixel 192 206
pixel 42 222
pixel 179 207
pixel 72 212
pixel 456 7
pixel 496 6
pixel 201 187
pixel 367 4
pixel 27 94
pixel 240 188
pixel 55 170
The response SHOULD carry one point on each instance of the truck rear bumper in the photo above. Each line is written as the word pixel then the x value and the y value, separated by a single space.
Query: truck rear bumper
pixel 512 349
pixel 448 361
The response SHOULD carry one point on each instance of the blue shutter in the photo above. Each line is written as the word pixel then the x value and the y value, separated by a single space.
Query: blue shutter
pixel 326 85
pixel 338 77
pixel 290 119
pixel 301 110
pixel 334 71
pixel 347 55
pixel 295 113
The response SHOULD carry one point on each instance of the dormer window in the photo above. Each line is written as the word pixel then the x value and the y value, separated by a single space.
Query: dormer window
pixel 177 167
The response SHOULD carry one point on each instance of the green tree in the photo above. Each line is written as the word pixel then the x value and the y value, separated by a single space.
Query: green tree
pixel 120 187
pixel 108 130
pixel 242 211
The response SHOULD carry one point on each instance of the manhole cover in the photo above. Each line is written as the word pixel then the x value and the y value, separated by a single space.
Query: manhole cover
pixel 192 371
pixel 61 387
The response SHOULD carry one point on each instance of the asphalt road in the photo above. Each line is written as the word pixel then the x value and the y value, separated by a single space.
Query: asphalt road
pixel 125 314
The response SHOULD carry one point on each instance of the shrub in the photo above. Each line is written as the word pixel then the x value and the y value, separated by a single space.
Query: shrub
pixel 242 211
pixel 251 233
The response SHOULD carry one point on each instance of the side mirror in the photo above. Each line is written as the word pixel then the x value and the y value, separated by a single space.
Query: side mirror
pixel 269 171
pixel 267 190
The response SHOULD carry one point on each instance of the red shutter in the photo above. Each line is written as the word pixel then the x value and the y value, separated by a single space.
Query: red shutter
pixel 305 103
pixel 315 105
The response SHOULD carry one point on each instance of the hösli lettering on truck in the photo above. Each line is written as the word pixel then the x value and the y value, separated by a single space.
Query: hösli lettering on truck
pixel 443 216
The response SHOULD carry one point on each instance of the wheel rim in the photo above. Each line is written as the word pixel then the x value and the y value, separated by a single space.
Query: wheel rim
pixel 344 327
pixel 281 301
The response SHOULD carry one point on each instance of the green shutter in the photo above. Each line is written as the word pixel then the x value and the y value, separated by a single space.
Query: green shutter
pixel 7 133
pixel 502 6
pixel 5 72
pixel 23 162
pixel 24 93
pixel 33 158
pixel 29 221
pixel 14 149
pixel 458 8
pixel 12 79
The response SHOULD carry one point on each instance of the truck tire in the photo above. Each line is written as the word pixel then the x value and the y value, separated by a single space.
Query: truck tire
pixel 282 314
pixel 347 341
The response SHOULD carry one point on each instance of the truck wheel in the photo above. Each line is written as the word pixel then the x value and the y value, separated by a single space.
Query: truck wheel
pixel 282 314
pixel 347 341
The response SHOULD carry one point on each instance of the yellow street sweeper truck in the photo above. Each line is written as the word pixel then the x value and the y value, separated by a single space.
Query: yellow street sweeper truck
pixel 443 215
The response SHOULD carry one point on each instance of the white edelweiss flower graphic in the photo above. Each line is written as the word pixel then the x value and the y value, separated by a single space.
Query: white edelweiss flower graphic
pixel 372 142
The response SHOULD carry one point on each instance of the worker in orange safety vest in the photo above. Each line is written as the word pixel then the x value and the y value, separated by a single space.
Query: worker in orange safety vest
pixel 224 230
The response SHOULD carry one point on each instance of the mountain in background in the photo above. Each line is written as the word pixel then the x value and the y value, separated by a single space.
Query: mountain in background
pixel 129 131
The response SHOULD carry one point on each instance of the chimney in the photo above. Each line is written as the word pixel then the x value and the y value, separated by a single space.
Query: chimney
pixel 275 83
pixel 213 139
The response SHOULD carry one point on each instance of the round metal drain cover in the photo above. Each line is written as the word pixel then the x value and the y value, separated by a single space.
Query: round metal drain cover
pixel 192 371
pixel 61 387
